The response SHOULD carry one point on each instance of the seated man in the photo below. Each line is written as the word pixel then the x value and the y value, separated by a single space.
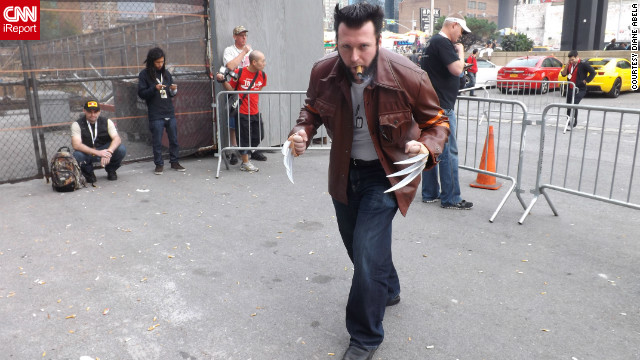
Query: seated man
pixel 95 138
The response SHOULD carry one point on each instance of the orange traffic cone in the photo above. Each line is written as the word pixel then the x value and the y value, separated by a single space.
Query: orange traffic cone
pixel 484 181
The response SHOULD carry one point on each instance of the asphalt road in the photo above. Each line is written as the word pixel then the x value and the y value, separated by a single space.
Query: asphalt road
pixel 250 266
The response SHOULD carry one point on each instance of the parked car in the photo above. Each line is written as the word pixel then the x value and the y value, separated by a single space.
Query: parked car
pixel 540 48
pixel 519 73
pixel 487 71
pixel 613 75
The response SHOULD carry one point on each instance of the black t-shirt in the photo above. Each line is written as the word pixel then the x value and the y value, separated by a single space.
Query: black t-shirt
pixel 437 55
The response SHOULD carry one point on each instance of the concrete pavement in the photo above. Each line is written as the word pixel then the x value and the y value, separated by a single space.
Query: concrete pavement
pixel 250 266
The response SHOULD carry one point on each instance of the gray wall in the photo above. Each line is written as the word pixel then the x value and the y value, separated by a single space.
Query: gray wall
pixel 288 32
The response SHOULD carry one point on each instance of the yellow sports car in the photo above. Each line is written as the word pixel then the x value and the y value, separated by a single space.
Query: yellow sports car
pixel 613 75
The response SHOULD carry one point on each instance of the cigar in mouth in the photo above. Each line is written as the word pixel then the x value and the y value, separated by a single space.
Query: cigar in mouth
pixel 359 71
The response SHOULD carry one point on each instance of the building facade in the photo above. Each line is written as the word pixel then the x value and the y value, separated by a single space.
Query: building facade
pixel 409 10
pixel 542 21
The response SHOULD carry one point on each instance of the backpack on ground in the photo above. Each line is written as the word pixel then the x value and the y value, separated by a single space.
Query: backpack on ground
pixel 65 172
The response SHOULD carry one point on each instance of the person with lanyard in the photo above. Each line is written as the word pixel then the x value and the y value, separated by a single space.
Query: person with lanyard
pixel 95 139
pixel 579 73
pixel 156 87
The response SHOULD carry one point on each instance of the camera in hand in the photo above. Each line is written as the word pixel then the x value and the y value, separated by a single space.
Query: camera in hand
pixel 228 74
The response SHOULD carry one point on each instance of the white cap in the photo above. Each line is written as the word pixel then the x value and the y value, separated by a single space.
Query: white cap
pixel 462 22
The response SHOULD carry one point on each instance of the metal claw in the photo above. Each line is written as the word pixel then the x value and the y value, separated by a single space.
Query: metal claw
pixel 409 169
pixel 412 160
pixel 407 180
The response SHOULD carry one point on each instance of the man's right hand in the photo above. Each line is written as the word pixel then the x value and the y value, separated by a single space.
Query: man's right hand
pixel 459 49
pixel 246 49
pixel 299 141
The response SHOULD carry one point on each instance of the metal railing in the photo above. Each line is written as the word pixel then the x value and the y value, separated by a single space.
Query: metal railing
pixel 474 117
pixel 279 111
pixel 596 162
pixel 536 95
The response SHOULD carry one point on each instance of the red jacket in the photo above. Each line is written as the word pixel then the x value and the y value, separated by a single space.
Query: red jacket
pixel 401 105
pixel 474 67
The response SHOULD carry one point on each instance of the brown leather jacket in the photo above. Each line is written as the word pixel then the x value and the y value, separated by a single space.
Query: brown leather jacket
pixel 400 104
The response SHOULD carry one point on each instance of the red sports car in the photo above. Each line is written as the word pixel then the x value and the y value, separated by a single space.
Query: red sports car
pixel 530 72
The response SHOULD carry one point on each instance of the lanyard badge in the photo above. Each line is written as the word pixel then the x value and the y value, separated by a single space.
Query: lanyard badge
pixel 163 92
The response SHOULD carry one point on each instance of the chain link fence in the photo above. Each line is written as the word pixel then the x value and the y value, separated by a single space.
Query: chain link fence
pixel 95 49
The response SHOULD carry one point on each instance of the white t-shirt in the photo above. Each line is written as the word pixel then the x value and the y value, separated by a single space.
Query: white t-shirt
pixel 232 52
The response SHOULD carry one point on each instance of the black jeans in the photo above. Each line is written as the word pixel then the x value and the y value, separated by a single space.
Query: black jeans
pixel 582 91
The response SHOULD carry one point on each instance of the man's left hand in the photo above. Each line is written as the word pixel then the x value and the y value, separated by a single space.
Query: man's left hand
pixel 414 148
pixel 104 161
pixel 105 157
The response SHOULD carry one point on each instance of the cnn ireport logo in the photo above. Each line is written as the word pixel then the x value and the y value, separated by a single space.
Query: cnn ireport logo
pixel 20 20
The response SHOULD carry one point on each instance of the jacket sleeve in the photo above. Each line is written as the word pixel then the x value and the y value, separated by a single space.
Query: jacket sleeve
pixel 433 124
pixel 591 71
pixel 170 78
pixel 145 90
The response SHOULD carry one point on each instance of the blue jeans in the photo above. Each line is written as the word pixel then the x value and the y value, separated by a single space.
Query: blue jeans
pixel 472 82
pixel 448 190
pixel 365 227
pixel 156 127
pixel 86 161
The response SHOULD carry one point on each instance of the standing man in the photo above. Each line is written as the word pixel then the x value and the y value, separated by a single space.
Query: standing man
pixel 473 70
pixel 156 87
pixel 378 108
pixel 235 57
pixel 579 73
pixel 443 60
pixel 95 138
pixel 251 78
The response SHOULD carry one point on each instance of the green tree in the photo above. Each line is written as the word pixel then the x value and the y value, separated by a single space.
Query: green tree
pixel 517 42
pixel 481 31
pixel 55 25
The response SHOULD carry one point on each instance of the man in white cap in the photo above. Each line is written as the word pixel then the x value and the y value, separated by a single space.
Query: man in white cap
pixel 443 60
pixel 235 57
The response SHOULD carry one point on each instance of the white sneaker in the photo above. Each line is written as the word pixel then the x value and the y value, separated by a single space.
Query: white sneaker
pixel 248 166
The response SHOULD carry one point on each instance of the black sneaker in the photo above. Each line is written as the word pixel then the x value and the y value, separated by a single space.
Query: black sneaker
pixel 431 200
pixel 233 159
pixel 258 155
pixel 158 170
pixel 90 177
pixel 394 301
pixel 111 175
pixel 462 205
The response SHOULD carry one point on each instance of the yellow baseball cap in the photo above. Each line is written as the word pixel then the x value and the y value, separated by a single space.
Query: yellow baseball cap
pixel 92 105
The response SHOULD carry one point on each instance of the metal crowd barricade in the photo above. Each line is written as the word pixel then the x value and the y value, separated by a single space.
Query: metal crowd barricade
pixel 597 162
pixel 509 117
pixel 279 111
pixel 536 95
